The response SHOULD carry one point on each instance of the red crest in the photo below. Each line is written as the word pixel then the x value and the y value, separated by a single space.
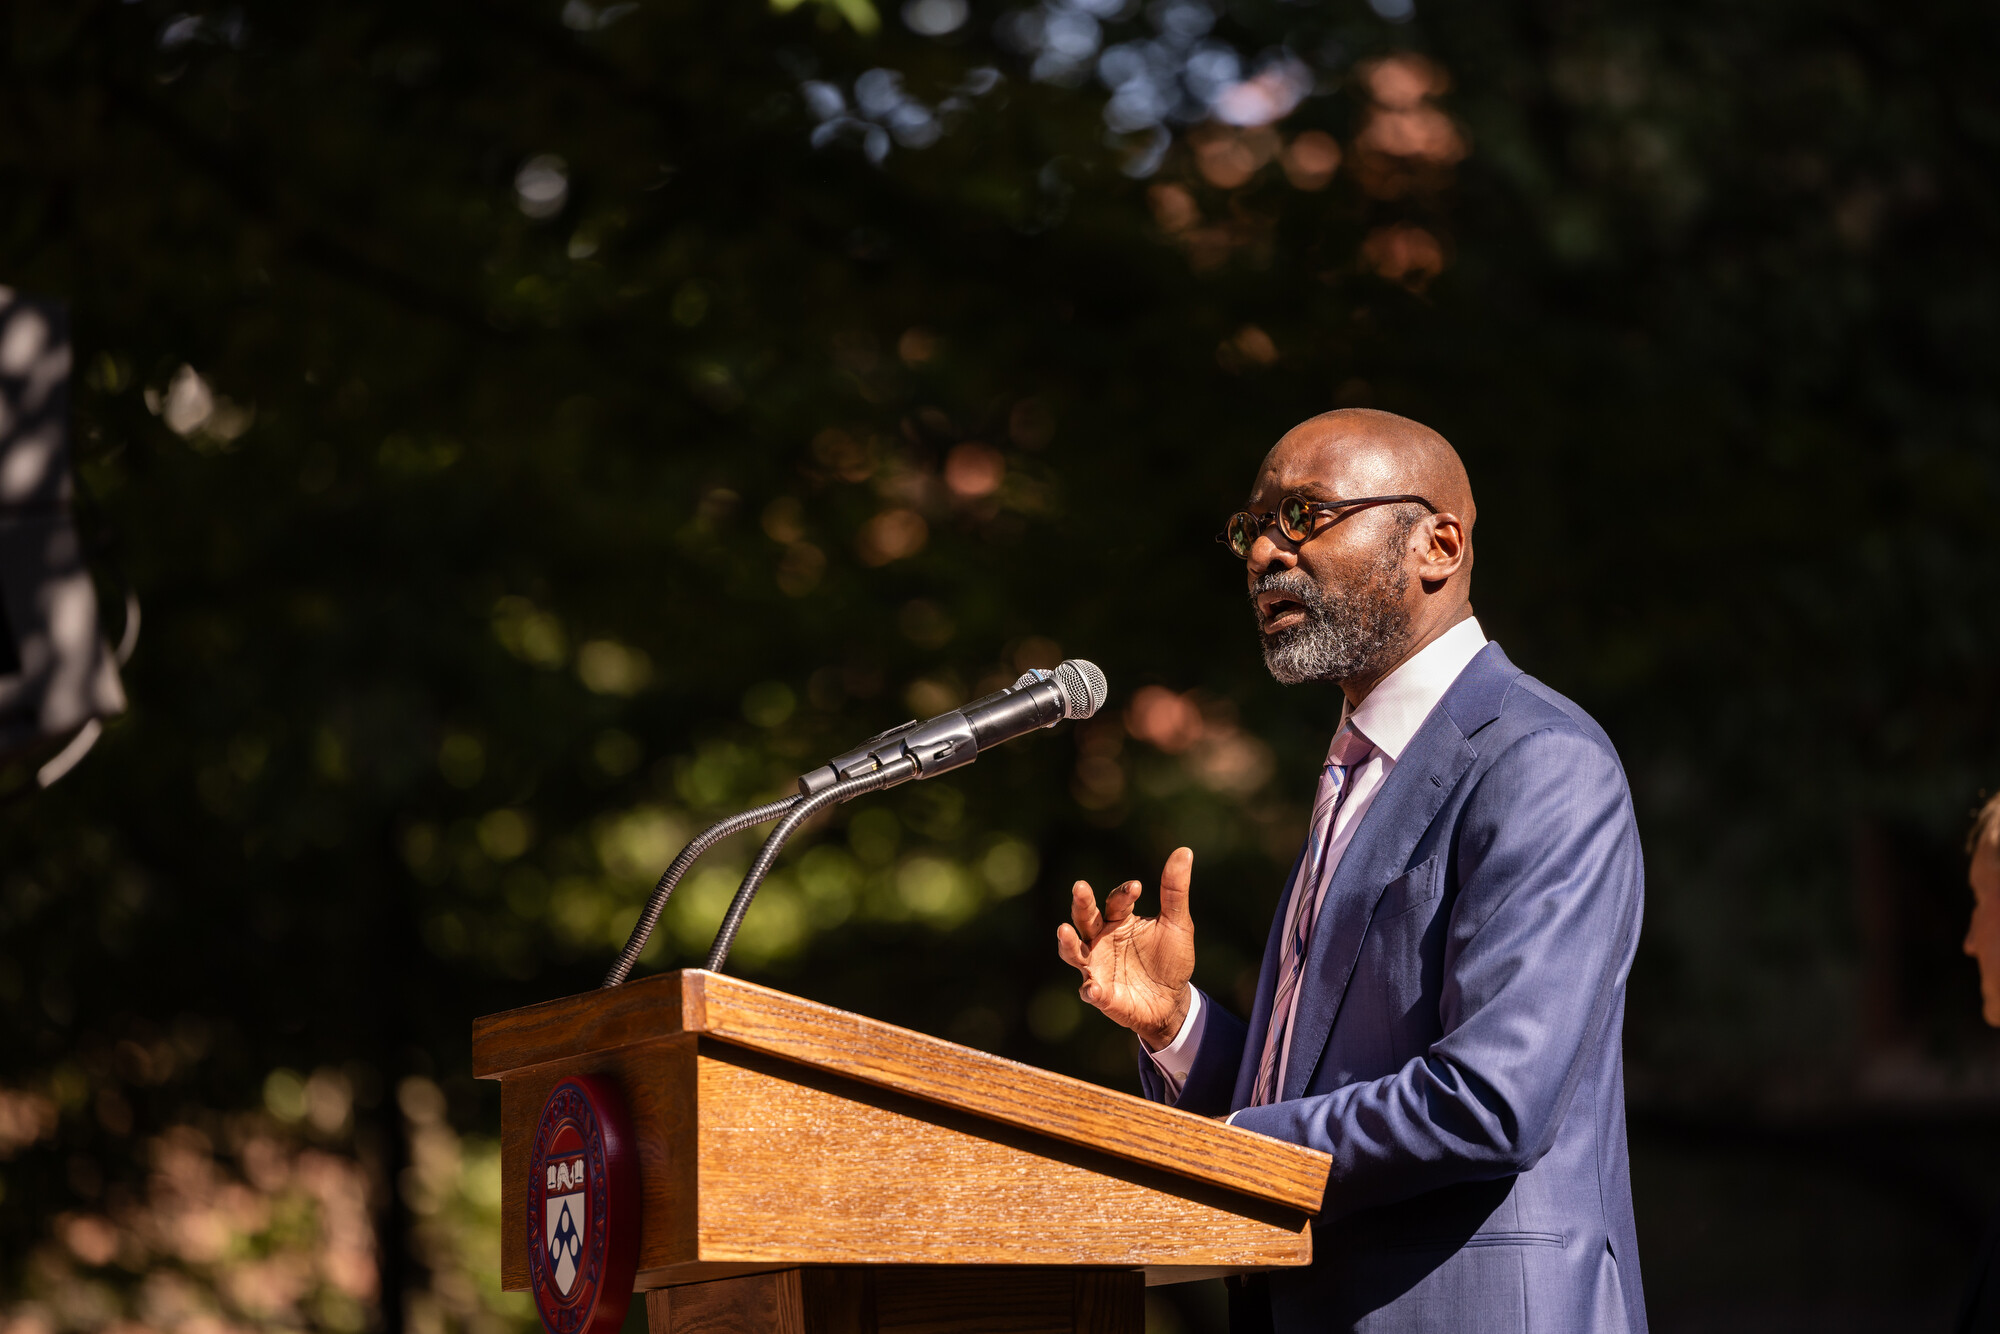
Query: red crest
pixel 583 1209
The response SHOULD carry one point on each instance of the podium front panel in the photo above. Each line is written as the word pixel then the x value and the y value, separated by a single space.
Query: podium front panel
pixel 774 1133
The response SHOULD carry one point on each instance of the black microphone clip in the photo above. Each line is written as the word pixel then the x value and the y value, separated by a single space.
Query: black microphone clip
pixel 1076 689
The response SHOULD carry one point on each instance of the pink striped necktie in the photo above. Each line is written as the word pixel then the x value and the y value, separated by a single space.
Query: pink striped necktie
pixel 1349 750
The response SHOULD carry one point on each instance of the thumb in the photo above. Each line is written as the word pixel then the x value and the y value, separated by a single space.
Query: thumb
pixel 1174 883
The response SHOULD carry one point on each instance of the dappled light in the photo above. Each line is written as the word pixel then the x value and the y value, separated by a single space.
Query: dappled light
pixel 537 438
pixel 262 1218
pixel 192 409
pixel 892 535
pixel 611 668
pixel 1216 751
pixel 1249 347
pixel 1407 255
pixel 1227 158
pixel 1407 143
pixel 876 112
pixel 542 185
pixel 974 470
pixel 1311 159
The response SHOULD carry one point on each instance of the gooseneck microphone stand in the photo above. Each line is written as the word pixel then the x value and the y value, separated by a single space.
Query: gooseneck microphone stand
pixel 803 809
pixel 795 812
pixel 1075 689
pixel 703 841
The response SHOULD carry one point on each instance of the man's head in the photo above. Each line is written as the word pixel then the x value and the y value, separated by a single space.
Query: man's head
pixel 1366 586
pixel 1982 933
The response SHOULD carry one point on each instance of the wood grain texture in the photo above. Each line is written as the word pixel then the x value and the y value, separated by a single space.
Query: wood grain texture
pixel 888 1057
pixel 944 1301
pixel 1110 1302
pixel 658 1081
pixel 840 1301
pixel 802 1167
pixel 751 1163
pixel 703 1271
pixel 762 1304
pixel 601 1020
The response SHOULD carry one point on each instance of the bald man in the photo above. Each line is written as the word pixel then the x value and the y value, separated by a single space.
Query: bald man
pixel 1443 992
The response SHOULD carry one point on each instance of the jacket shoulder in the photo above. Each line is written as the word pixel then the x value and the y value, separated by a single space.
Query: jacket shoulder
pixel 1531 706
pixel 1494 705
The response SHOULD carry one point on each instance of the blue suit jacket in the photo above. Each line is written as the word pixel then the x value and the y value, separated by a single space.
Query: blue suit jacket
pixel 1457 1041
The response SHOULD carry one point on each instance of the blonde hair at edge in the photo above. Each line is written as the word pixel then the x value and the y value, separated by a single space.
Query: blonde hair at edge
pixel 1985 828
pixel 1982 932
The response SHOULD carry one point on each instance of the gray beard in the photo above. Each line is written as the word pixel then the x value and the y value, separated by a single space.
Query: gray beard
pixel 1341 638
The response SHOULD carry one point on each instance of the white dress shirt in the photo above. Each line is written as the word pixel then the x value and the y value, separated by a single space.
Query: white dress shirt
pixel 1389 717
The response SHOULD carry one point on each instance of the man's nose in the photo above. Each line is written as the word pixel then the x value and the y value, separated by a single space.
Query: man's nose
pixel 1971 930
pixel 1267 551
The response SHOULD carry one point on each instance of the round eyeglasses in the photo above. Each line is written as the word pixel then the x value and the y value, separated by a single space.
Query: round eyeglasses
pixel 1297 517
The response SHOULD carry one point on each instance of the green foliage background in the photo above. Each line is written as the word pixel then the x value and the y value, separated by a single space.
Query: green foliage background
pixel 524 546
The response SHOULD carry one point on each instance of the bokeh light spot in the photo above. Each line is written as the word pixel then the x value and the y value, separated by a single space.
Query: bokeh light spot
pixel 1009 866
pixel 615 753
pixel 1311 159
pixel 769 703
pixel 461 759
pixel 506 833
pixel 608 667
pixel 285 1095
pixel 891 535
pixel 973 470
pixel 874 834
pixel 935 18
pixel 541 186
pixel 1055 1012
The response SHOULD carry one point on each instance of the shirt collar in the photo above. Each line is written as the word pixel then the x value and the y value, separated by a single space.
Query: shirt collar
pixel 1400 701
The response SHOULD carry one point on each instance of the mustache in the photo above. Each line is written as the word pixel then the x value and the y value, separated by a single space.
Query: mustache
pixel 1294 584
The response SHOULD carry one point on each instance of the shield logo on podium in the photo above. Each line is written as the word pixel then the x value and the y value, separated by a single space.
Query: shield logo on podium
pixel 582 1209
pixel 566 1216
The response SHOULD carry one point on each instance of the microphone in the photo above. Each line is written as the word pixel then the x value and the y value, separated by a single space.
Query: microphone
pixel 1075 689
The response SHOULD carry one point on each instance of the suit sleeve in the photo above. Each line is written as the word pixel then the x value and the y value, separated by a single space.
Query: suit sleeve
pixel 1538 944
pixel 1212 1078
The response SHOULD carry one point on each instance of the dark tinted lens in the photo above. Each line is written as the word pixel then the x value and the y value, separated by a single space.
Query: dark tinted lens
pixel 1242 535
pixel 1294 518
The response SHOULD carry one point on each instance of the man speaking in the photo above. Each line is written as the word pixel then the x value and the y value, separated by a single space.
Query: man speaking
pixel 1443 992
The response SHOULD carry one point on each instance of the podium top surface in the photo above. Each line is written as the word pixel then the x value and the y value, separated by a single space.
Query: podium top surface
pixel 695 1002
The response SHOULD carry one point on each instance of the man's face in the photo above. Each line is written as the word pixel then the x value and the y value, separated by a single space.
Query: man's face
pixel 1335 607
pixel 1982 935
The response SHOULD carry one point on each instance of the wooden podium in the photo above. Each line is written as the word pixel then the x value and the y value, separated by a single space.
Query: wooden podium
pixel 806 1170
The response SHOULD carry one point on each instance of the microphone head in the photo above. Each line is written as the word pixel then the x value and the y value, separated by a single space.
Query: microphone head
pixel 1081 684
pixel 1084 687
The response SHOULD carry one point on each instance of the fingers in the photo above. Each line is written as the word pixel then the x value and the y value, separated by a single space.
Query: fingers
pixel 1174 883
pixel 1076 956
pixel 1083 911
pixel 1118 903
pixel 1071 949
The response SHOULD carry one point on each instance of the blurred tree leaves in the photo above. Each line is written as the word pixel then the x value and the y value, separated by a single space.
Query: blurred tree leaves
pixel 535 430
pixel 858 14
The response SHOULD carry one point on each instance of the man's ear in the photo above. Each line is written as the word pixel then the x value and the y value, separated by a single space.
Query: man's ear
pixel 1444 548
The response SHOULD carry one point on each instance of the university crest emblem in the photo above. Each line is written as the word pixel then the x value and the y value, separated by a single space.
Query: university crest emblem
pixel 583 1209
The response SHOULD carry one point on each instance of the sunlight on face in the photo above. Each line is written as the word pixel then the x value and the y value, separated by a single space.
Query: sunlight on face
pixel 1982 935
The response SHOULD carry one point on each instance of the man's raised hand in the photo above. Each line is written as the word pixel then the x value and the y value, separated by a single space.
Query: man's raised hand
pixel 1135 969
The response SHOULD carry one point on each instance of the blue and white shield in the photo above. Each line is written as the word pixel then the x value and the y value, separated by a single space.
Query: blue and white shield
pixel 582 1216
pixel 562 1219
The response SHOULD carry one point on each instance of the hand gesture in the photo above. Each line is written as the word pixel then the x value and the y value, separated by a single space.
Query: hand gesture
pixel 1135 969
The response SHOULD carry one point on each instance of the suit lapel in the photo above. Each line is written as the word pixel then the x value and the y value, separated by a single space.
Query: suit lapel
pixel 1430 768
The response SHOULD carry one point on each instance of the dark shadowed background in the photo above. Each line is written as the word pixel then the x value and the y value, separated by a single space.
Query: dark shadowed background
pixel 533 428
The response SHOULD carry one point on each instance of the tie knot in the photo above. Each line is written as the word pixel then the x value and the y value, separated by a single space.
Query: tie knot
pixel 1349 748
